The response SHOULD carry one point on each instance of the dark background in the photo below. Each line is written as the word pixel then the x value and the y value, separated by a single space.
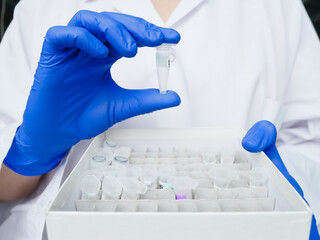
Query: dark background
pixel 7 7
pixel 313 9
pixel 6 14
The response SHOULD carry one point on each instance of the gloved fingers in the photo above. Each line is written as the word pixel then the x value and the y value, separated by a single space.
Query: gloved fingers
pixel 260 137
pixel 125 104
pixel 145 101
pixel 145 33
pixel 61 37
pixel 107 30
pixel 170 35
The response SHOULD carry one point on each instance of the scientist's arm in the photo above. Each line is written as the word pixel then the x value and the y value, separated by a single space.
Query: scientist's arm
pixel 74 97
pixel 14 186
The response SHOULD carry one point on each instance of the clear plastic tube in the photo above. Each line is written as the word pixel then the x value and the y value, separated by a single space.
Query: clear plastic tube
pixel 223 176
pixel 90 187
pixel 122 154
pixel 166 173
pixel 101 158
pixel 258 178
pixel 149 175
pixel 132 188
pixel 183 186
pixel 111 188
pixel 163 62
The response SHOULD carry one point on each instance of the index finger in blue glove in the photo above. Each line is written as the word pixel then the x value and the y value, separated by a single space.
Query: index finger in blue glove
pixel 61 37
pixel 145 33
pixel 262 137
pixel 107 30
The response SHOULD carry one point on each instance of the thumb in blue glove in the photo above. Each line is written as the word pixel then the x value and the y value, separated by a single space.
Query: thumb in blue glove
pixel 262 137
pixel 74 96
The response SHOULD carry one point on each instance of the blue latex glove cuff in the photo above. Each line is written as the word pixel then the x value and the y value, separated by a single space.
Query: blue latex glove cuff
pixel 262 137
pixel 30 166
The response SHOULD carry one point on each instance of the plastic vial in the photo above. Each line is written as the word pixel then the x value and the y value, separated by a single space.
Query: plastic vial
pixel 227 157
pixel 163 62
pixel 132 172
pixel 258 178
pixel 209 155
pixel 101 158
pixel 183 187
pixel 116 170
pixel 149 175
pixel 107 144
pixel 223 176
pixel 111 188
pixel 166 173
pixel 90 187
pixel 122 154
pixel 132 188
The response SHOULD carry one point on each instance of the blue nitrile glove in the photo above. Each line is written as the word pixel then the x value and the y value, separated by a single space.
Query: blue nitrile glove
pixel 262 137
pixel 74 97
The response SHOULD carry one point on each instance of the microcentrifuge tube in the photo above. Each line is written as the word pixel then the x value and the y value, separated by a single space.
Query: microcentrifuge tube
pixel 149 175
pixel 258 178
pixel 163 65
pixel 122 154
pixel 109 144
pixel 111 188
pixel 116 169
pixel 132 188
pixel 223 176
pixel 102 157
pixel 183 186
pixel 132 172
pixel 90 187
pixel 166 173
pixel 209 155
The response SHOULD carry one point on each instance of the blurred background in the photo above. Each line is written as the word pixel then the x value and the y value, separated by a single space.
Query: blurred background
pixel 7 8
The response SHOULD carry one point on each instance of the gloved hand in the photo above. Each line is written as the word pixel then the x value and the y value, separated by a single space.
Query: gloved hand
pixel 74 97
pixel 262 137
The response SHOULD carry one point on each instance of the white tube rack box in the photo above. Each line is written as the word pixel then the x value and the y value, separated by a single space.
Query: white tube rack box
pixel 214 208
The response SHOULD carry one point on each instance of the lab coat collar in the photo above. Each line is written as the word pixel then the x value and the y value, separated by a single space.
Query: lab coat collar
pixel 146 10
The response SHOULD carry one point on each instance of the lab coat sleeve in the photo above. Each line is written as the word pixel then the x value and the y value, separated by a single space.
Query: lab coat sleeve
pixel 16 73
pixel 299 135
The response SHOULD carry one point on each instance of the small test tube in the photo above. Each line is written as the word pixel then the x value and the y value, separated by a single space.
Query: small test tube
pixel 101 158
pixel 209 155
pixel 183 187
pixel 132 188
pixel 163 62
pixel 111 188
pixel 132 172
pixel 149 175
pixel 165 174
pixel 258 178
pixel 90 187
pixel 222 176
pixel 122 154
pixel 116 170
pixel 110 145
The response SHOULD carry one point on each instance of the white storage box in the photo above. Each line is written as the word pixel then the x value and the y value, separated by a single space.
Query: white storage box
pixel 211 215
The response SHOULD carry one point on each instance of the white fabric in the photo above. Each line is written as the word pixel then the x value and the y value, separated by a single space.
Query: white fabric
pixel 239 61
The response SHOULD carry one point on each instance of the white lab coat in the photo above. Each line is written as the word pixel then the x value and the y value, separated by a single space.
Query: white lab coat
pixel 239 61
